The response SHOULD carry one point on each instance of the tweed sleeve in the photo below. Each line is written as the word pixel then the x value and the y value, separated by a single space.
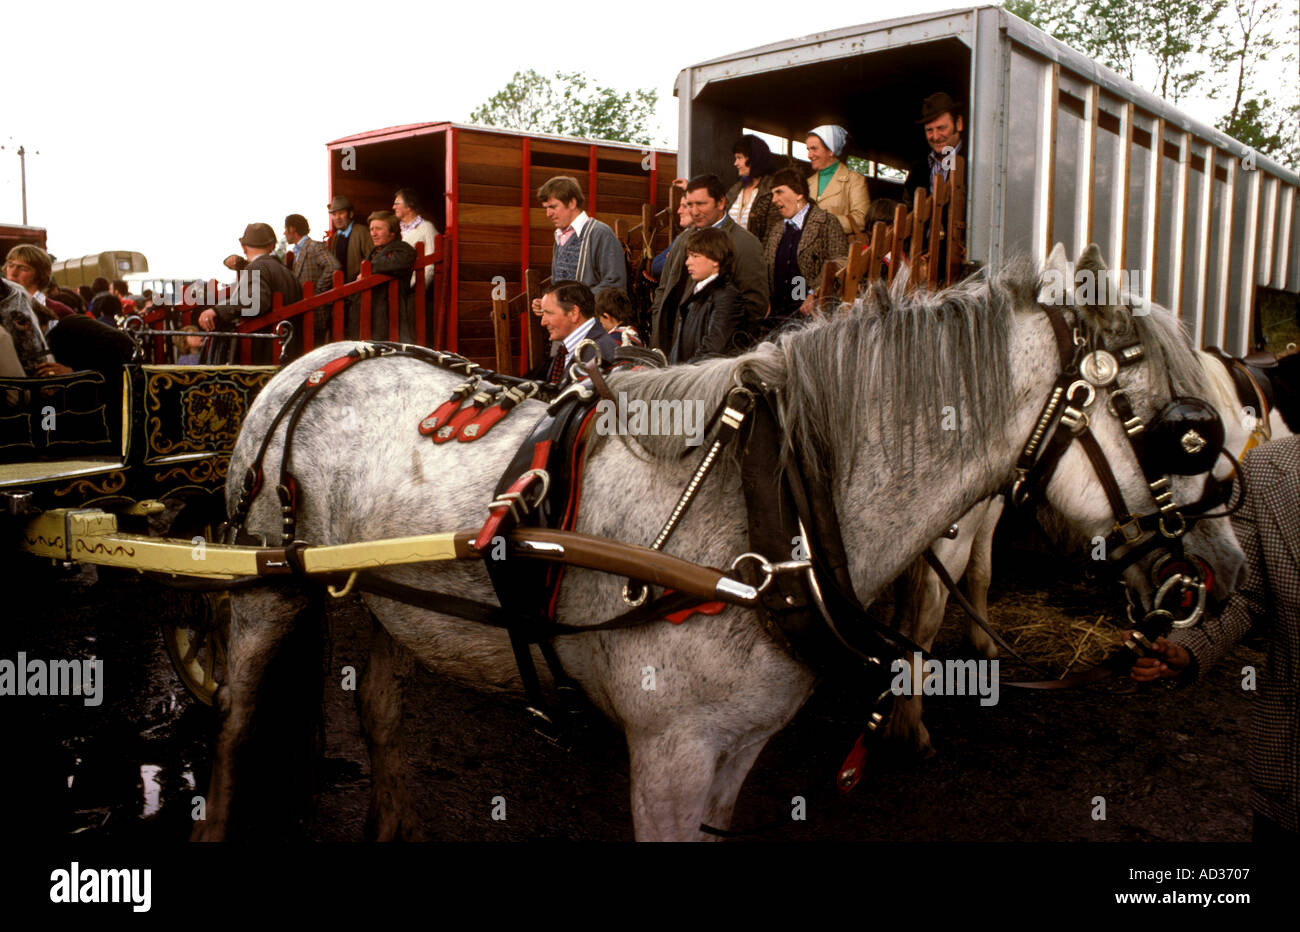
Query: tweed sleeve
pixel 1250 605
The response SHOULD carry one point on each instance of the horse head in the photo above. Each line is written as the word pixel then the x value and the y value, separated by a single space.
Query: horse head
pixel 1146 493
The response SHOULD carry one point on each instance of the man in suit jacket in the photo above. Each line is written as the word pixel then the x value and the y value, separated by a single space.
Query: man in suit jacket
pixel 1268 528
pixel 264 277
pixel 569 316
pixel 707 201
pixel 350 242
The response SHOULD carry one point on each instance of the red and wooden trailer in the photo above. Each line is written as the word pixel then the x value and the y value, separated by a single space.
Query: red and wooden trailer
pixel 479 188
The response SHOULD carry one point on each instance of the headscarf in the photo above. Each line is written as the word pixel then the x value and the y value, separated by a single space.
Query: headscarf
pixel 832 136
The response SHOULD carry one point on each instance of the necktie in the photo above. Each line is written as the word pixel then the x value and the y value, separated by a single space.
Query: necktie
pixel 557 367
pixel 565 235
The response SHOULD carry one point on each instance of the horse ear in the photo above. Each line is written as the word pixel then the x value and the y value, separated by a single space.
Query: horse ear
pixel 1090 259
pixel 1056 277
pixel 1097 294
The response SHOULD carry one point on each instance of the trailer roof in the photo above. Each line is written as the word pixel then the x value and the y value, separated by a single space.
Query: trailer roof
pixel 959 24
pixel 408 130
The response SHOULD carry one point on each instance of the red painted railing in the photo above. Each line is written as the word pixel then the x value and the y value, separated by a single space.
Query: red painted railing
pixel 302 313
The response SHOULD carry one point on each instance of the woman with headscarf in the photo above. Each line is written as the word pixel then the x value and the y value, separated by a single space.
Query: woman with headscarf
pixel 749 202
pixel 835 187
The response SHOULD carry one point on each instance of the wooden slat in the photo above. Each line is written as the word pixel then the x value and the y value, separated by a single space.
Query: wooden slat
pixel 1047 158
pixel 1225 254
pixel 1152 212
pixel 538 339
pixel 1249 239
pixel 471 214
pixel 501 335
pixel 488 155
pixel 502 176
pixel 1202 247
pixel 956 222
pixel 1264 275
pixel 1092 105
pixel 1181 185
pixel 484 234
pixel 489 194
pixel 1123 165
pixel 921 207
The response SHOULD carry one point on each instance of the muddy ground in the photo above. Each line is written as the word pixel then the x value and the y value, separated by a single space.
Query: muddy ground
pixel 1169 763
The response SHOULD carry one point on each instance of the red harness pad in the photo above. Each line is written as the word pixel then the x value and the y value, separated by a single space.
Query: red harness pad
pixel 429 426
pixel 483 423
pixel 332 368
pixel 704 608
pixel 460 419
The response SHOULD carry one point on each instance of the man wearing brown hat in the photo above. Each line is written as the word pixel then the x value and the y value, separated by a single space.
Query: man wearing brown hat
pixel 263 277
pixel 351 243
pixel 941 117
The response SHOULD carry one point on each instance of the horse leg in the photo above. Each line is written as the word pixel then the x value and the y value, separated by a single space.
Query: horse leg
pixel 380 703
pixel 260 622
pixel 682 779
pixel 979 575
pixel 919 614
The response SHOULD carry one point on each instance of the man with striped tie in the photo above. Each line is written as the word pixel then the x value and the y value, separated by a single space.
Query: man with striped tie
pixel 569 316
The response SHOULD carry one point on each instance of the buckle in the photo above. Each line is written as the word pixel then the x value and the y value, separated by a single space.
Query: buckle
pixel 1123 527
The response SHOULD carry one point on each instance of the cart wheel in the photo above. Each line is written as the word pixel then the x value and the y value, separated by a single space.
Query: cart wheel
pixel 196 642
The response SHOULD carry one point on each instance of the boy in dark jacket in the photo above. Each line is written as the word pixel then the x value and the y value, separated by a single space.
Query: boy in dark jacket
pixel 711 313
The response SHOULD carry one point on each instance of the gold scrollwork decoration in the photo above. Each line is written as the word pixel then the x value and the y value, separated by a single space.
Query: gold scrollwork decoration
pixel 117 551
pixel 102 485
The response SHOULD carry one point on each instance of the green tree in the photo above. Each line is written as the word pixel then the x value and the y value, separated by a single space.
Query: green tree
pixel 1250 37
pixel 1214 47
pixel 569 104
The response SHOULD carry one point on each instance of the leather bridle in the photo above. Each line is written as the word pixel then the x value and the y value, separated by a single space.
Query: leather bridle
pixel 1188 430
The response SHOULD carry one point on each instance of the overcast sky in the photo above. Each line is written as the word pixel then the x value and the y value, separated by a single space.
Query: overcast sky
pixel 166 127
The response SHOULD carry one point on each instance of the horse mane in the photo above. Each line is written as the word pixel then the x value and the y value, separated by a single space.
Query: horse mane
pixel 940 358
pixel 1222 391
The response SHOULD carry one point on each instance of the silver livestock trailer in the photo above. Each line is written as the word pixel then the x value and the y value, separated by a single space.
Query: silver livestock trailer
pixel 1058 148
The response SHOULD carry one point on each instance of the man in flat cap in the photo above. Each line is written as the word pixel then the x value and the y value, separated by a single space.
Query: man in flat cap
pixel 941 117
pixel 263 277
pixel 351 243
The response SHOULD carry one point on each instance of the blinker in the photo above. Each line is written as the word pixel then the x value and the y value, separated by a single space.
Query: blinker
pixel 1186 438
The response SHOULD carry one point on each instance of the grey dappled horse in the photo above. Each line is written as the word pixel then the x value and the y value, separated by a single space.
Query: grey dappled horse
pixel 865 389
pixel 921 597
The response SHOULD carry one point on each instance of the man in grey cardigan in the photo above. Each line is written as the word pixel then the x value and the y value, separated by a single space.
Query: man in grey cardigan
pixel 585 250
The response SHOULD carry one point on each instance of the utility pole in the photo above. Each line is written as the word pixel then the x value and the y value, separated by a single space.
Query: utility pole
pixel 22 161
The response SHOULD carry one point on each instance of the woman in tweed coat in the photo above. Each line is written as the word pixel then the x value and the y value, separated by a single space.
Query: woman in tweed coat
pixel 819 239
pixel 1268 528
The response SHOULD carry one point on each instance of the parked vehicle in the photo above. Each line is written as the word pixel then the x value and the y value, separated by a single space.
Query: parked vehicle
pixel 1058 149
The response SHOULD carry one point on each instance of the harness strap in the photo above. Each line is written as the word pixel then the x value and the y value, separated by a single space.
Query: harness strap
pixel 960 597
pixel 441 414
pixel 481 399
pixel 512 502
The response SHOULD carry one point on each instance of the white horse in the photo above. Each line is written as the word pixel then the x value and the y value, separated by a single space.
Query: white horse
pixel 869 392
pixel 921 597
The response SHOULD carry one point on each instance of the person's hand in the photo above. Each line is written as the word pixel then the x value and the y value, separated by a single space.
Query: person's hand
pixel 1171 660
pixel 537 306
pixel 208 319
pixel 680 183
pixel 47 369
